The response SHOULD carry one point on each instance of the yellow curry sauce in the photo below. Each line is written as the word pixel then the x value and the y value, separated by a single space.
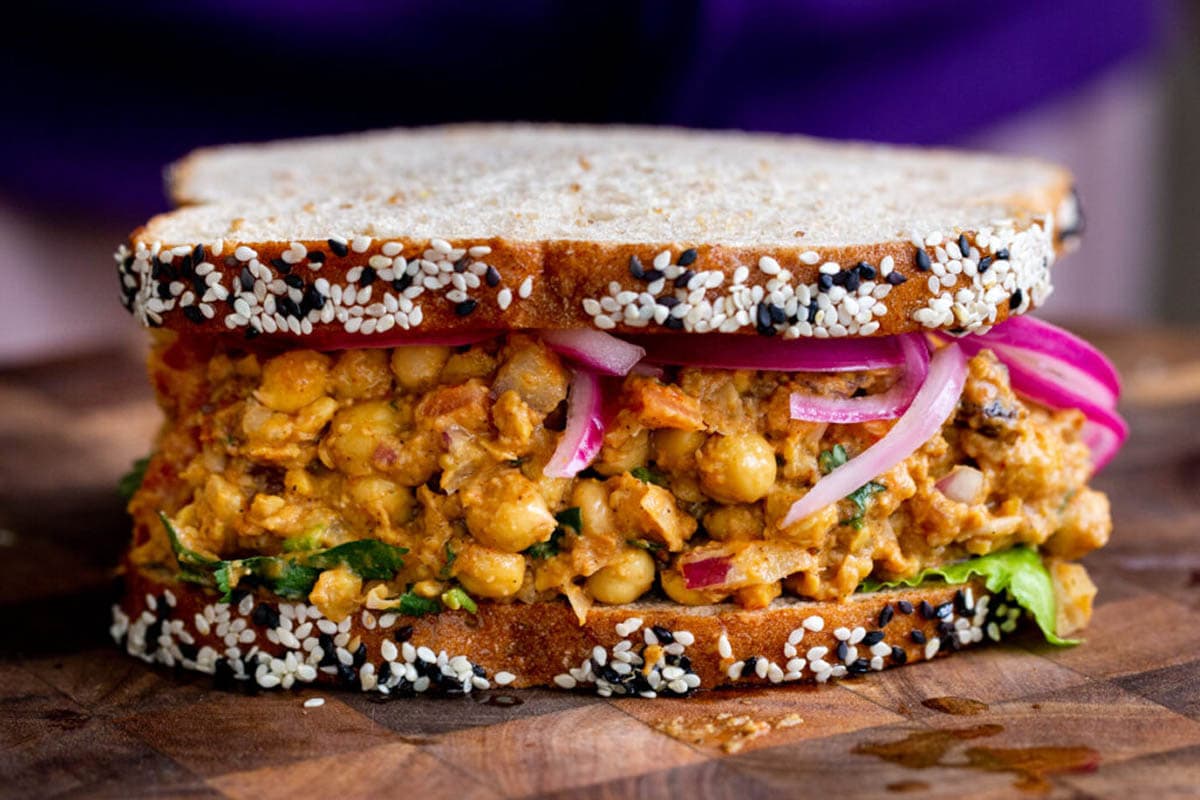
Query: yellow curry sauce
pixel 440 450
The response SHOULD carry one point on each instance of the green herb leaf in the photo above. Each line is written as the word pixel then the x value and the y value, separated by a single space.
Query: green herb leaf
pixel 570 518
pixel 132 481
pixel 861 497
pixel 647 475
pixel 546 549
pixel 457 598
pixel 829 460
pixel 445 572
pixel 370 559
pixel 304 542
pixel 1019 571
pixel 413 605
pixel 186 558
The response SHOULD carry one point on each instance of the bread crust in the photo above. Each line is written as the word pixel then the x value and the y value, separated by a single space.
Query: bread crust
pixel 163 620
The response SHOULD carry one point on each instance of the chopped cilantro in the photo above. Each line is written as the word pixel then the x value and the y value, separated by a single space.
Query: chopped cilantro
pixel 861 497
pixel 132 481
pixel 303 542
pixel 831 459
pixel 570 518
pixel 548 548
pixel 445 572
pixel 647 475
pixel 414 605
pixel 457 598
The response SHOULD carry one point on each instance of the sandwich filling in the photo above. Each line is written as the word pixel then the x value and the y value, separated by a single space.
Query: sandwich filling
pixel 433 459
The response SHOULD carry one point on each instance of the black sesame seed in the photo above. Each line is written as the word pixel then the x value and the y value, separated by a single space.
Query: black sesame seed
pixel 927 610
pixel 339 249
pixel 923 262
pixel 960 603
pixel 328 650
pixel 852 281
pixel 465 307
pixel 944 610
pixel 664 636
pixel 895 278
pixel 1014 302
pixel 763 320
pixel 264 615
pixel 918 637
pixel 247 279
pixel 840 278
pixel 674 324
pixel 404 633
pixel 813 308
pixel 684 278
pixel 313 300
pixel 385 672
pixel 198 254
pixel 156 268
pixel 403 282
pixel 317 257
pixel 668 301
pixel 231 261
pixel 651 275
pixel 346 674
pixel 842 651
pixel 281 265
pixel 905 607
pixel 824 283
pixel 865 271
pixel 252 333
pixel 461 265
pixel 164 291
pixel 492 276
pixel 873 637
pixel 478 671
pixel 188 651
pixel 635 267
pixel 684 664
pixel 899 655
pixel 185 265
pixel 963 245
pixel 777 314
pixel 885 616
pixel 860 667
pixel 368 276
pixel 687 257
pixel 1002 254
pixel 287 307
pixel 360 655
pixel 193 314
pixel 985 264
pixel 294 281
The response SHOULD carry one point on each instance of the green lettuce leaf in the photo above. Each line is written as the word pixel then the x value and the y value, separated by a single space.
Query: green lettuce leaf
pixel 1019 571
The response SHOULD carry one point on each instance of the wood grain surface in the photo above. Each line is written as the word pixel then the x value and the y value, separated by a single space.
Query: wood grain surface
pixel 1116 717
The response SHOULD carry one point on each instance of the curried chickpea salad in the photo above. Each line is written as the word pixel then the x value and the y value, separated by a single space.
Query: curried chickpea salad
pixel 411 478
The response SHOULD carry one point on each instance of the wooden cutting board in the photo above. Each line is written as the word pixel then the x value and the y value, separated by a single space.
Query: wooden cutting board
pixel 1120 714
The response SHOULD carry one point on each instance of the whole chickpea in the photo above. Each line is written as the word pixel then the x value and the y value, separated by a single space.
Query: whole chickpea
pixel 739 468
pixel 508 512
pixel 293 380
pixel 417 367
pixel 676 588
pixel 361 375
pixel 594 511
pixel 624 579
pixel 355 434
pixel 675 450
pixel 485 572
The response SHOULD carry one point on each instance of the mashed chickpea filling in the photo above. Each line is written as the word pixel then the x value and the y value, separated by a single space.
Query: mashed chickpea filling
pixel 440 451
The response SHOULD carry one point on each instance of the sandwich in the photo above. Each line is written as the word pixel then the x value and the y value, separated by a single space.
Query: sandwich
pixel 634 411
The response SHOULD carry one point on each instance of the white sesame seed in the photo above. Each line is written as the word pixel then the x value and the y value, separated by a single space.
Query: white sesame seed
pixel 244 253
pixel 768 265
pixel 724 649
pixel 360 244
pixel 685 638
pixel 314 702
pixel 526 288
pixel 735 670
pixel 931 647
pixel 565 681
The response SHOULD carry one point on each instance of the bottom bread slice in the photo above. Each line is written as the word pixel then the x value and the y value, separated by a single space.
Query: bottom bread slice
pixel 647 648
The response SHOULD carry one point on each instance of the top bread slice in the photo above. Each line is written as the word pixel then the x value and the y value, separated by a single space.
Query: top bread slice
pixel 617 228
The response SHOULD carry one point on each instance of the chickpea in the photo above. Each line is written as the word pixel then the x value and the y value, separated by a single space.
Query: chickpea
pixel 417 367
pixel 734 523
pixel 485 572
pixel 594 511
pixel 383 499
pixel 675 450
pixel 676 588
pixel 535 373
pixel 739 468
pixel 626 446
pixel 355 434
pixel 293 380
pixel 757 596
pixel 336 593
pixel 361 375
pixel 462 367
pixel 507 512
pixel 624 579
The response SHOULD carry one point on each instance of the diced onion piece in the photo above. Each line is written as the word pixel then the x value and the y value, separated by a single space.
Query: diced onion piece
pixel 933 405
pixel 727 351
pixel 584 434
pixel 962 485
pixel 708 572
pixel 887 405
pixel 596 350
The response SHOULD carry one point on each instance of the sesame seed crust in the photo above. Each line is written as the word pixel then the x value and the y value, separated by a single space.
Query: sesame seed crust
pixel 647 649
pixel 372 289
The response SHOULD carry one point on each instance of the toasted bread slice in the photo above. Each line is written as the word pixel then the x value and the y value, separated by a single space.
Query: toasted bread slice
pixel 521 226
